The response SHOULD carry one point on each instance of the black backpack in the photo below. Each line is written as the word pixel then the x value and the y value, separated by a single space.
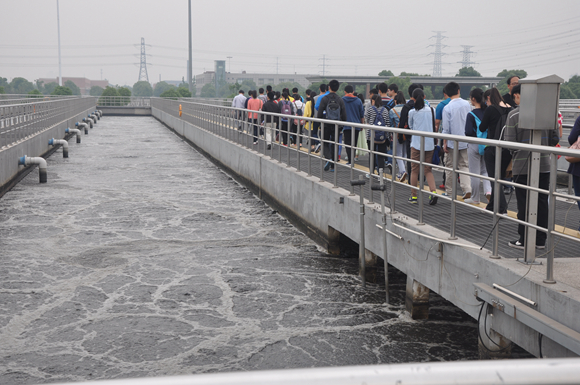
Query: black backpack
pixel 501 122
pixel 333 109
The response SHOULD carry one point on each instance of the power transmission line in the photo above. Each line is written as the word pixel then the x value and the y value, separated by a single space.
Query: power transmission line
pixel 437 55
pixel 143 67
pixel 466 60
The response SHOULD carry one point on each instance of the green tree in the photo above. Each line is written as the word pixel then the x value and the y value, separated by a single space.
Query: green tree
pixel 60 90
pixel 73 87
pixel 96 91
pixel 49 88
pixel 170 93
pixel 468 71
pixel 34 94
pixel 566 92
pixel 5 85
pixel 2 90
pixel 40 86
pixel 403 83
pixel 104 101
pixel 208 91
pixel 290 86
pixel 409 74
pixel 142 89
pixel 20 86
pixel 386 73
pixel 161 87
pixel 126 96
pixel 505 74
pixel 574 84
pixel 183 92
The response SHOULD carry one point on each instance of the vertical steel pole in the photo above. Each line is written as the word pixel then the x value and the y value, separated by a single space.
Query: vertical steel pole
pixel 421 175
pixel 335 165
pixel 59 61
pixel 395 146
pixel 385 250
pixel 189 63
pixel 351 154
pixel 361 248
pixel 550 244
pixel 371 165
pixel 496 192
pixel 322 152
pixel 454 189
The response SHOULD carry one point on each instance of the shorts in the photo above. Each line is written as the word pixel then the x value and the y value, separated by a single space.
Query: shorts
pixel 416 155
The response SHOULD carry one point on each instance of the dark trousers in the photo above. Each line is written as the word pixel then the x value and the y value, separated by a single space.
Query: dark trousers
pixel 293 130
pixel 379 159
pixel 408 144
pixel 347 135
pixel 489 158
pixel 576 184
pixel 284 128
pixel 329 134
pixel 254 122
pixel 522 197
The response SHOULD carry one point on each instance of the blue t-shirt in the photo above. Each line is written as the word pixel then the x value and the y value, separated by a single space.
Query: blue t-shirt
pixel 440 107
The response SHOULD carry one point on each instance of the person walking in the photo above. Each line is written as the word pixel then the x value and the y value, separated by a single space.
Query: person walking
pixel 270 122
pixel 453 123
pixel 493 122
pixel 332 108
pixel 254 104
pixel 371 113
pixel 475 151
pixel 354 114
pixel 286 108
pixel 239 102
pixel 309 112
pixel 422 118
pixel 395 116
pixel 574 168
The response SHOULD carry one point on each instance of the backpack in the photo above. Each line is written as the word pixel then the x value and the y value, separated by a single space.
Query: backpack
pixel 299 112
pixel 380 136
pixel 285 109
pixel 501 123
pixel 482 135
pixel 333 109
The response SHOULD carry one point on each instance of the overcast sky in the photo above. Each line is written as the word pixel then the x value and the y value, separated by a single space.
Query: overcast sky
pixel 357 37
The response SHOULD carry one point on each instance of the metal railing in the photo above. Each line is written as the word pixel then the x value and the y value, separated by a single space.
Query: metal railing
pixel 20 121
pixel 123 101
pixel 532 372
pixel 232 124
pixel 22 99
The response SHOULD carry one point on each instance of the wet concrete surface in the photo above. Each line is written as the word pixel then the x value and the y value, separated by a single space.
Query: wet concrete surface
pixel 141 258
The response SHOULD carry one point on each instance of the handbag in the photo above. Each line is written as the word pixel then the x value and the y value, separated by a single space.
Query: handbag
pixel 575 146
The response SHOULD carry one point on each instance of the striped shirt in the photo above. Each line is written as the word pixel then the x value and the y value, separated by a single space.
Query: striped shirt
pixel 370 116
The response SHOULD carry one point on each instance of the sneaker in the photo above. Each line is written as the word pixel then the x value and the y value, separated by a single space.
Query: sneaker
pixel 467 195
pixel 348 164
pixel 317 148
pixel 540 247
pixel 255 143
pixel 442 186
pixel 367 175
pixel 331 170
pixel 444 194
pixel 269 147
pixel 403 177
pixel 327 166
pixel 516 244
pixel 389 169
pixel 507 190
pixel 470 201
pixel 413 200
pixel 432 200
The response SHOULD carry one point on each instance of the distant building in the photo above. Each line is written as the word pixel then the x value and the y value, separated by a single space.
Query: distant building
pixel 261 80
pixel 83 83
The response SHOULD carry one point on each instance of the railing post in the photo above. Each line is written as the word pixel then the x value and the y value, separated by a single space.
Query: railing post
pixel 335 165
pixel 322 152
pixel 496 192
pixel 393 173
pixel 421 184
pixel 371 164
pixel 311 125
pixel 454 189
pixel 351 151
pixel 550 244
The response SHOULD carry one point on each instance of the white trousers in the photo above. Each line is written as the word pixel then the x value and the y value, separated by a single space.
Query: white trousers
pixel 268 130
pixel 462 165
pixel 402 152
pixel 477 166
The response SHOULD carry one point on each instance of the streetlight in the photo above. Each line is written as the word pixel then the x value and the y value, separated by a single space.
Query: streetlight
pixel 229 64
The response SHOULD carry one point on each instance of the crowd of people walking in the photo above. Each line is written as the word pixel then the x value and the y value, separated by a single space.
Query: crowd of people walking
pixel 487 114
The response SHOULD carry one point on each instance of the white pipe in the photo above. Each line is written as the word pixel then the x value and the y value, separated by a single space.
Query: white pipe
pixel 88 121
pixel 81 125
pixel 93 117
pixel 27 161
pixel 97 115
pixel 507 372
pixel 74 131
pixel 64 143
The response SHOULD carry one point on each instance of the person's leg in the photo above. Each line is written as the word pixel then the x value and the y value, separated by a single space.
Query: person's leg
pixel 506 158
pixel 352 156
pixel 576 184
pixel 400 162
pixel 463 165
pixel 328 151
pixel 474 168
pixel 347 136
pixel 489 158
pixel 292 131
pixel 483 172
pixel 428 172
pixel 415 155
pixel 381 149
pixel 339 146
pixel 268 133
pixel 255 124
pixel 543 208
pixel 448 173
pixel 521 196
pixel 284 133
pixel 443 163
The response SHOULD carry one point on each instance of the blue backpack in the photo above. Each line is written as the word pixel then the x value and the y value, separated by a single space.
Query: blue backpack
pixel 380 136
pixel 482 135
